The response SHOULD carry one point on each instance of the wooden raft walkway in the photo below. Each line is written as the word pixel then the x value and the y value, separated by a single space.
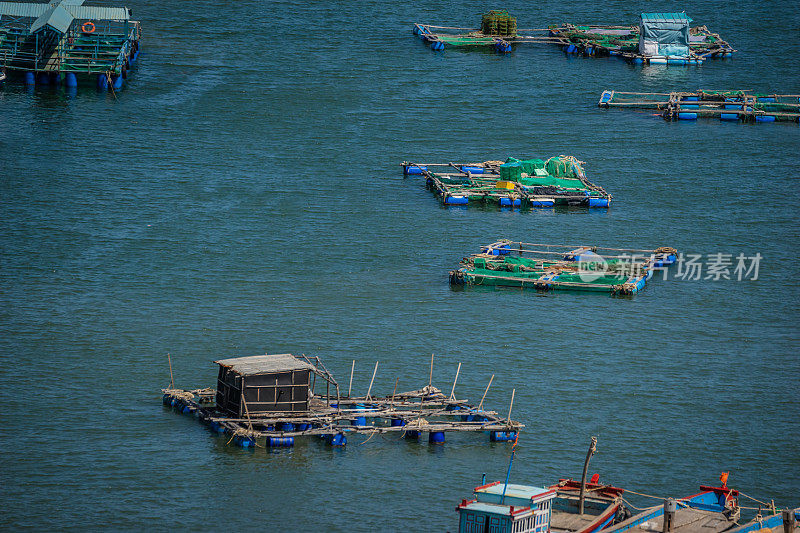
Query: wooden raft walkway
pixel 730 105
pixel 469 183
pixel 595 40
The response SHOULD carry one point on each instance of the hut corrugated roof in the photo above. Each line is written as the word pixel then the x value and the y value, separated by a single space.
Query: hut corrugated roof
pixel 264 364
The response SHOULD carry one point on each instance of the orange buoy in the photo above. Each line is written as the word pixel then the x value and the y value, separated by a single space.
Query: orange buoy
pixel 88 27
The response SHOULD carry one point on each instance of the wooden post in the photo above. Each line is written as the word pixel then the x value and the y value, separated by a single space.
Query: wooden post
pixel 171 379
pixel 372 380
pixel 453 390
pixel 788 520
pixel 246 410
pixel 350 388
pixel 395 389
pixel 430 378
pixel 512 405
pixel 592 449
pixel 670 506
pixel 480 405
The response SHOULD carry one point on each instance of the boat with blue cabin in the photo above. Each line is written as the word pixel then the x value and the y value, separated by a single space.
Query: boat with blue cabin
pixel 504 508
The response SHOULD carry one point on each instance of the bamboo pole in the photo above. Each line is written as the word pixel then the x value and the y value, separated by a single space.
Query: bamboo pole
pixel 350 387
pixel 372 380
pixel 453 390
pixel 430 377
pixel 171 379
pixel 480 406
pixel 513 391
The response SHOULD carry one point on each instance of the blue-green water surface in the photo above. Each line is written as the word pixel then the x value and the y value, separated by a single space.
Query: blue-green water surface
pixel 243 195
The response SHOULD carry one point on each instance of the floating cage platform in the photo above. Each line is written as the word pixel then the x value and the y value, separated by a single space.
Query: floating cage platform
pixel 66 42
pixel 696 44
pixel 730 105
pixel 562 267
pixel 271 399
pixel 515 183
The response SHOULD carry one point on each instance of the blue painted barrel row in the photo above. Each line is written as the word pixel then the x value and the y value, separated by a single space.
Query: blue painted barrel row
pixel 70 79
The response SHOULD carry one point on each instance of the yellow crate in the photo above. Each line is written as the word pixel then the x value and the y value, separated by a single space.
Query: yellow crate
pixel 505 185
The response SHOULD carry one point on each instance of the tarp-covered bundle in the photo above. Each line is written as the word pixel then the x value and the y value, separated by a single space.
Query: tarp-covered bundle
pixel 664 34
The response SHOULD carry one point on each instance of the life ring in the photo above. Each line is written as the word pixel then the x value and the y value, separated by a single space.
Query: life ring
pixel 88 27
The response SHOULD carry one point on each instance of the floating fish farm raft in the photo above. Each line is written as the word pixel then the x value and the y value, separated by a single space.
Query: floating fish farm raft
pixel 549 267
pixel 514 183
pixel 272 397
pixel 67 42
pixel 734 105
pixel 659 38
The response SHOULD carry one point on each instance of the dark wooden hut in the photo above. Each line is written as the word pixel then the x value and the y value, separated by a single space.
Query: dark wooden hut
pixel 249 386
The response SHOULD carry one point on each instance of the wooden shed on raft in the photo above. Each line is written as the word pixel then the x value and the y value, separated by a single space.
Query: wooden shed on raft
pixel 249 386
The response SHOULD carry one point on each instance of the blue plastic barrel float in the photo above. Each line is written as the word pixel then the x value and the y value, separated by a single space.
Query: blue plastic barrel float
pixel 502 436
pixel 502 250
pixel 245 442
pixel 765 118
pixel 436 437
pixel 456 200
pixel 452 407
pixel 280 442
pixel 414 169
pixel 303 427
pixel 285 426
pixel 359 421
pixel 766 99
pixel 437 45
pixel 398 422
pixel 117 81
pixel 729 116
pixel 70 80
pixel 543 203
pixel 687 116
pixel 337 439
pixel 599 202
pixel 605 97
pixel 472 170
pixel 412 434
pixel 102 81
pixel 506 202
